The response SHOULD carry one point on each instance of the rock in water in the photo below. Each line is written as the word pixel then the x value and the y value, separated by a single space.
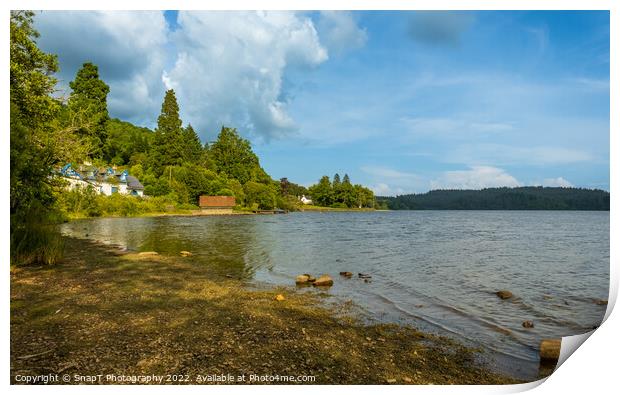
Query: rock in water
pixel 186 253
pixel 302 279
pixel 311 278
pixel 550 349
pixel 279 297
pixel 323 281
pixel 148 253
pixel 346 274
pixel 528 324
pixel 504 294
pixel 601 302
pixel 363 275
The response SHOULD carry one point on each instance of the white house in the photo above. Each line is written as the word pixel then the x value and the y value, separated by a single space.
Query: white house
pixel 105 181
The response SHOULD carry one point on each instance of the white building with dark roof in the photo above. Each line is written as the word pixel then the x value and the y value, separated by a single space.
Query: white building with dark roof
pixel 105 181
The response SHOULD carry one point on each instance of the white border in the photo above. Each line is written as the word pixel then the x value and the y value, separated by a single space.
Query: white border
pixel 591 369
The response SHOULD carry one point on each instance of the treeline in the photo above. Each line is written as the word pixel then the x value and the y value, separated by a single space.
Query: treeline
pixel 520 198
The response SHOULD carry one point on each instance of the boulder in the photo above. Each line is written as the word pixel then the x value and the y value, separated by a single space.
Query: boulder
pixel 503 294
pixel 528 324
pixel 186 253
pixel 346 274
pixel 323 281
pixel 148 253
pixel 302 279
pixel 550 349
pixel 311 278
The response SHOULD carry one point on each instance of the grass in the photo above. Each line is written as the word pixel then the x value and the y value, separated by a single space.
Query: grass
pixel 103 311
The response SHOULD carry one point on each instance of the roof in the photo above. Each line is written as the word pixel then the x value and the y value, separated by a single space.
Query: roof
pixel 216 201
pixel 134 183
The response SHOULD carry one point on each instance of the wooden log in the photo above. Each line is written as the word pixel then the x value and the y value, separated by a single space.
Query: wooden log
pixel 550 349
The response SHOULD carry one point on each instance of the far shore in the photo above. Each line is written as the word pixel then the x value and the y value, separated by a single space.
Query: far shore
pixel 103 310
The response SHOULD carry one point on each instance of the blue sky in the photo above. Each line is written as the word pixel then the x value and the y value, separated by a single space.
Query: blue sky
pixel 401 101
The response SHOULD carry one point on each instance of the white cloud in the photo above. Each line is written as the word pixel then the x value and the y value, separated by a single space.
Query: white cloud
pixel 388 182
pixel 339 31
pixel 382 189
pixel 231 65
pixel 477 177
pixel 127 46
pixel 556 182
pixel 452 127
pixel 502 154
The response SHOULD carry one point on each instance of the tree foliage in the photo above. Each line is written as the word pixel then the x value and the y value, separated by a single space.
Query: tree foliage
pixel 33 151
pixel 88 107
pixel 341 193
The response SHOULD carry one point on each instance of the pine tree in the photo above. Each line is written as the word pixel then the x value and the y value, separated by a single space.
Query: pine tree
pixel 193 146
pixel 168 146
pixel 88 107
pixel 336 182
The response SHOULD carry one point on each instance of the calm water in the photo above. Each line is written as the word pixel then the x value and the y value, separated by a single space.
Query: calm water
pixel 437 270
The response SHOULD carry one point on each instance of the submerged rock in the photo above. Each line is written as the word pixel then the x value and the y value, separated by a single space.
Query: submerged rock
pixel 302 279
pixel 279 297
pixel 323 281
pixel 186 253
pixel 363 275
pixel 503 294
pixel 601 302
pixel 346 274
pixel 148 253
pixel 528 324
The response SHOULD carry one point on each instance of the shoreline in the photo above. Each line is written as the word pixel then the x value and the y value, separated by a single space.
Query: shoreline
pixel 111 311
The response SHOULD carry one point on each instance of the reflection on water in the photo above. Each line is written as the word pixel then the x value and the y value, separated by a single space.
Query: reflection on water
pixel 438 270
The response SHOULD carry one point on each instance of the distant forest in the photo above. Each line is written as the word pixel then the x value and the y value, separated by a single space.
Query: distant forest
pixel 521 198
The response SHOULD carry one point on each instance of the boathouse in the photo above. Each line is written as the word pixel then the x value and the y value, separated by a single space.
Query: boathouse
pixel 217 204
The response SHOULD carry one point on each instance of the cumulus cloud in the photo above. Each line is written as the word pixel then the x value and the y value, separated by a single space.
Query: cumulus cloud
pixel 477 177
pixel 389 182
pixel 128 47
pixel 231 65
pixel 382 189
pixel 339 32
pixel 440 27
pixel 556 182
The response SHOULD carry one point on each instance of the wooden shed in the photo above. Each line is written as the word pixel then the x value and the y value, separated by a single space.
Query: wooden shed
pixel 220 204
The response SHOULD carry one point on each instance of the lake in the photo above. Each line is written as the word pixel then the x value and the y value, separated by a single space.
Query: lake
pixel 436 270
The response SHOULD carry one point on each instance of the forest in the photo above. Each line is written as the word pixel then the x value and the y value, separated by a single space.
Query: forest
pixel 519 198
pixel 175 167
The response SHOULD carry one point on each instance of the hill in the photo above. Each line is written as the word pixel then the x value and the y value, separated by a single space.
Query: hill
pixel 520 198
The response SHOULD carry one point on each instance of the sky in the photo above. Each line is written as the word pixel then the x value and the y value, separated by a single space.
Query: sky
pixel 402 101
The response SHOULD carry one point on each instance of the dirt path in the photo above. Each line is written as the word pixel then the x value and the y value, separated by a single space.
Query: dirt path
pixel 139 317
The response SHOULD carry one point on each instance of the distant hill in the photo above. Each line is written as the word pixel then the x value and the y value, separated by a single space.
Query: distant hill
pixel 521 198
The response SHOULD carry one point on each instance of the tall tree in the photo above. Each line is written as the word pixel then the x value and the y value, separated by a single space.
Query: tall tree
pixel 336 182
pixel 234 157
pixel 168 147
pixel 192 145
pixel 88 106
pixel 322 193
pixel 35 147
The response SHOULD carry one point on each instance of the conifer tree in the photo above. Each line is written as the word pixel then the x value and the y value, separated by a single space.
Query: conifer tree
pixel 168 146
pixel 88 107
